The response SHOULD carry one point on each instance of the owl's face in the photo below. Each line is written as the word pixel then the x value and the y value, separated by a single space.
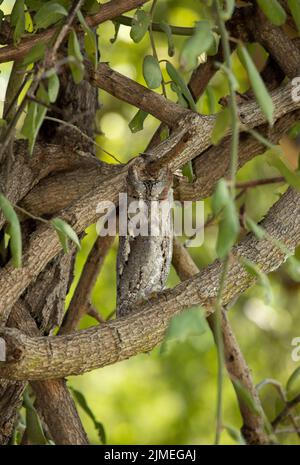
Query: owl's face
pixel 142 185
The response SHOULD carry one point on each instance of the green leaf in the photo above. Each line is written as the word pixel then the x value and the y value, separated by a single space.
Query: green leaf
pixel 181 100
pixel 235 434
pixel 246 396
pixel 220 197
pixel 151 72
pixel 261 93
pixel 187 171
pixel 201 40
pixel 293 380
pixel 223 122
pixel 168 31
pixel 35 117
pixel 65 232
pixel 35 53
pixel 291 177
pixel 228 12
pixel 53 87
pixel 14 230
pixel 273 11
pixel 34 427
pixel 257 230
pixel 90 40
pixel 188 323
pixel 179 81
pixel 49 14
pixel 17 20
pixel 137 122
pixel 294 6
pixel 292 266
pixel 263 279
pixel 117 28
pixel 229 226
pixel 140 24
pixel 84 405
pixel 213 49
pixel 74 53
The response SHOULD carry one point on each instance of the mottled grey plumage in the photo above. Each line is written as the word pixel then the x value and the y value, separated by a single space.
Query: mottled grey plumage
pixel 143 263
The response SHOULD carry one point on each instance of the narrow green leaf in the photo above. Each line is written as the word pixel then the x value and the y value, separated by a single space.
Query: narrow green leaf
pixel 187 171
pixel 53 87
pixel 261 93
pixel 168 31
pixel 223 122
pixel 117 28
pixel 49 14
pixel 36 53
pixel 273 11
pixel 140 25
pixel 229 226
pixel 294 6
pixel 213 49
pixel 228 12
pixel 35 117
pixel 65 232
pixel 84 405
pixel 14 230
pixel 151 72
pixel 262 278
pixel 181 100
pixel 74 53
pixel 137 122
pixel 17 20
pixel 179 81
pixel 292 266
pixel 246 396
pixel 90 40
pixel 194 46
pixel 235 434
pixel 257 230
pixel 34 427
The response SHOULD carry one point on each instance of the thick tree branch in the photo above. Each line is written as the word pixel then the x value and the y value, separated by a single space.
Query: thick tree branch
pixel 40 358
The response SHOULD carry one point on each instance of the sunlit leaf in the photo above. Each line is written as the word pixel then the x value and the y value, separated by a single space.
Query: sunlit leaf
pixel 14 230
pixel 187 171
pixel 65 232
pixel 293 380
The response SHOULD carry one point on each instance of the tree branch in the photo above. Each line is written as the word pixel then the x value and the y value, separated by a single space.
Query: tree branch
pixel 41 358
pixel 107 11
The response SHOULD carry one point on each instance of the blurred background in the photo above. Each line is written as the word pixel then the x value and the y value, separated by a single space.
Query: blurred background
pixel 169 397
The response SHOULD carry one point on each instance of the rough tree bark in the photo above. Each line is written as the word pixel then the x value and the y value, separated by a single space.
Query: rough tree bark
pixel 63 177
